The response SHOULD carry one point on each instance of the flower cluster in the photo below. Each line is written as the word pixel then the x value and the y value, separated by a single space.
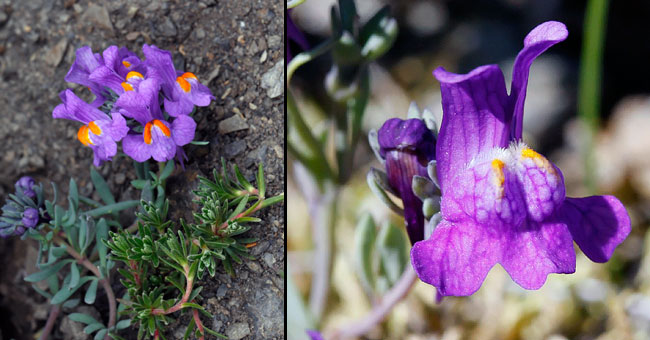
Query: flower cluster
pixel 501 201
pixel 127 103
pixel 22 210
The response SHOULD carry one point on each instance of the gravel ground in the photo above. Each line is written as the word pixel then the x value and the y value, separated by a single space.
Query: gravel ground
pixel 235 48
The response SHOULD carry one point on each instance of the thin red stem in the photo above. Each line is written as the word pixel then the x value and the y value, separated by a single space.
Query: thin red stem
pixel 240 215
pixel 179 305
pixel 198 323
pixel 112 306
pixel 54 313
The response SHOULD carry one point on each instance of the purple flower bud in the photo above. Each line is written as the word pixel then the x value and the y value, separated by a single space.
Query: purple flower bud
pixel 20 230
pixel 407 146
pixel 26 184
pixel 30 217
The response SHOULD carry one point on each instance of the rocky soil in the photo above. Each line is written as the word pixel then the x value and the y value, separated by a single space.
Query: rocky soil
pixel 235 48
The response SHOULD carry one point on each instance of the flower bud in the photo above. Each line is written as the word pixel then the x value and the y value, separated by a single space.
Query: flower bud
pixel 407 147
pixel 30 217
pixel 26 184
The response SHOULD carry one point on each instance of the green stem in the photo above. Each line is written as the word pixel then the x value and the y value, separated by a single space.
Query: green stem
pixel 591 79
pixel 355 107
pixel 305 57
pixel 306 137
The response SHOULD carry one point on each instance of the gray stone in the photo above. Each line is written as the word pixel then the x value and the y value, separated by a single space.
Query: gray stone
pixel 257 156
pixel 167 27
pixel 3 17
pixel 55 54
pixel 199 33
pixel 253 266
pixel 99 16
pixel 269 259
pixel 235 148
pixel 221 291
pixel 273 80
pixel 232 124
pixel 238 330
pixel 274 41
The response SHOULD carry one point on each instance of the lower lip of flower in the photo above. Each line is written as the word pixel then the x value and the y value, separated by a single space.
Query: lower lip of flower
pixel 155 123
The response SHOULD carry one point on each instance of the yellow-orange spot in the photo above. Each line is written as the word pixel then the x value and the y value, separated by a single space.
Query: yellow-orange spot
pixel 251 245
pixel 162 127
pixel 134 74
pixel 147 133
pixel 530 153
pixel 189 75
pixel 83 136
pixel 127 87
pixel 185 85
pixel 126 63
pixel 497 166
pixel 94 128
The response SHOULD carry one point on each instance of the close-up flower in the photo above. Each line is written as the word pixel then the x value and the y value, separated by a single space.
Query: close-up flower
pixel 501 201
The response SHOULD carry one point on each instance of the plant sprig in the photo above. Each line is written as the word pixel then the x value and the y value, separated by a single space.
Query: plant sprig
pixel 164 260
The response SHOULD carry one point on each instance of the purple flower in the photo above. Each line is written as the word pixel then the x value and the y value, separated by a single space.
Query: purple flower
pixel 293 34
pixel 159 139
pixel 501 201
pixel 182 90
pixel 79 73
pixel 26 184
pixel 30 217
pixel 99 132
pixel 407 146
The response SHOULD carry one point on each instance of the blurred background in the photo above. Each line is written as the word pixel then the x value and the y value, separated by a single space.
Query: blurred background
pixel 599 301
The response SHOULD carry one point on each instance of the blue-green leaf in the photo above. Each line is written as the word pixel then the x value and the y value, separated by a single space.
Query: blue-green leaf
pixel 93 327
pixel 47 272
pixel 100 335
pixel 83 318
pixel 102 234
pixel 74 275
pixel 112 208
pixel 123 324
pixel 73 194
pixel 67 290
pixel 169 168
pixel 364 240
pixel 101 187
pixel 91 293
pixel 391 245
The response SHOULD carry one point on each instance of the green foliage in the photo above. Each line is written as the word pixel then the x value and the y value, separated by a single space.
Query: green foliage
pixel 164 259
pixel 69 246
pixel 381 255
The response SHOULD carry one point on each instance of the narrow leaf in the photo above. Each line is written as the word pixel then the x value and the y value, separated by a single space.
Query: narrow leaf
pixel 49 271
pixel 91 293
pixel 83 318
pixel 112 208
